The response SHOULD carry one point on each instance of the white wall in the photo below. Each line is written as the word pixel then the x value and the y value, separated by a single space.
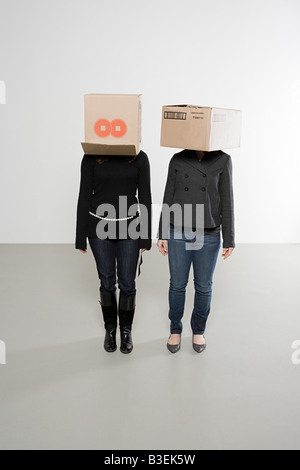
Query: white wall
pixel 237 54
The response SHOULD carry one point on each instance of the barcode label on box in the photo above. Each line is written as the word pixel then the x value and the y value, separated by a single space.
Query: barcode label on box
pixel 177 116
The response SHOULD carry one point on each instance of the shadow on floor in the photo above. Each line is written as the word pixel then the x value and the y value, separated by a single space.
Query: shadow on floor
pixel 41 368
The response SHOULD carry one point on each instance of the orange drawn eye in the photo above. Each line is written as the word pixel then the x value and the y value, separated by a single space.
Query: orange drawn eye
pixel 103 128
pixel 119 128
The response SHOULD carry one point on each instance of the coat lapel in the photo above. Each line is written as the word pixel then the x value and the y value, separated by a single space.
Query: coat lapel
pixel 204 165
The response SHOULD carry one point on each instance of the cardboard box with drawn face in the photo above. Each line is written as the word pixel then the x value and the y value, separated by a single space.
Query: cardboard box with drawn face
pixel 112 124
pixel 200 128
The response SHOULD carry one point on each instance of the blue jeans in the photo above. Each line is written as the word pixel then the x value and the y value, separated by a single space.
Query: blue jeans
pixel 204 261
pixel 116 258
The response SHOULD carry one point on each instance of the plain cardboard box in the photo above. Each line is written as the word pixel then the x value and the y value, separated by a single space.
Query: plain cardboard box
pixel 200 128
pixel 112 124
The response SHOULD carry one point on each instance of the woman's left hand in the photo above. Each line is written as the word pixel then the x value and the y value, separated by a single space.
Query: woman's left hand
pixel 227 252
pixel 143 250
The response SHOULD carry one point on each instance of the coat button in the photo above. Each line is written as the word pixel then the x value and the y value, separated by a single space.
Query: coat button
pixel 186 189
pixel 186 176
pixel 203 189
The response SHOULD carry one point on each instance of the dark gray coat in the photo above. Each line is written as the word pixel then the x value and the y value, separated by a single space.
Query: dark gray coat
pixel 208 182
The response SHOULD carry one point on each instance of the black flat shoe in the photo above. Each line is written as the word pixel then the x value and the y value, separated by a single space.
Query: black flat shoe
pixel 174 348
pixel 126 340
pixel 199 348
pixel 110 343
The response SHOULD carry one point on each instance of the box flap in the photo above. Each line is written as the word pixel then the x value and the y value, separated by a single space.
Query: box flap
pixel 112 95
pixel 90 148
pixel 187 106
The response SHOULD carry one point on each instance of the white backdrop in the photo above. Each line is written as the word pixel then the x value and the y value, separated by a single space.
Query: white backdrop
pixel 225 53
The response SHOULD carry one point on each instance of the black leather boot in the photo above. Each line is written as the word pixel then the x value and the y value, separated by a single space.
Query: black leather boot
pixel 126 315
pixel 110 314
pixel 110 342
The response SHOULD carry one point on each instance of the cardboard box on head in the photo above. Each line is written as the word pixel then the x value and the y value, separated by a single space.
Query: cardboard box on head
pixel 200 128
pixel 112 124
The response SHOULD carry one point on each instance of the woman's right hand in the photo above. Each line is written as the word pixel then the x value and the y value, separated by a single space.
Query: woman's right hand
pixel 163 247
pixel 82 251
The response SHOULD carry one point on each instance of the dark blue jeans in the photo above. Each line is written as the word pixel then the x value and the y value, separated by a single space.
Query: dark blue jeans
pixel 204 262
pixel 116 258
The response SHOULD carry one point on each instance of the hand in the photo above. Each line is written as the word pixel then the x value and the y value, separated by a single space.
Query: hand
pixel 163 246
pixel 227 252
pixel 143 250
pixel 82 251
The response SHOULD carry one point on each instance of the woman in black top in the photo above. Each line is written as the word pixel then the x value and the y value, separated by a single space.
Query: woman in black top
pixel 196 179
pixel 118 226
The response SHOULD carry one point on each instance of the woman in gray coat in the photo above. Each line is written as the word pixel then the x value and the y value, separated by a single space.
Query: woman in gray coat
pixel 196 179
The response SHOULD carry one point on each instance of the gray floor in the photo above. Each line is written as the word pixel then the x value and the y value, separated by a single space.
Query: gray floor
pixel 60 390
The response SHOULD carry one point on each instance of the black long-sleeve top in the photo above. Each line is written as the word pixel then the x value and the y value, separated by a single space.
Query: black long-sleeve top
pixel 105 183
